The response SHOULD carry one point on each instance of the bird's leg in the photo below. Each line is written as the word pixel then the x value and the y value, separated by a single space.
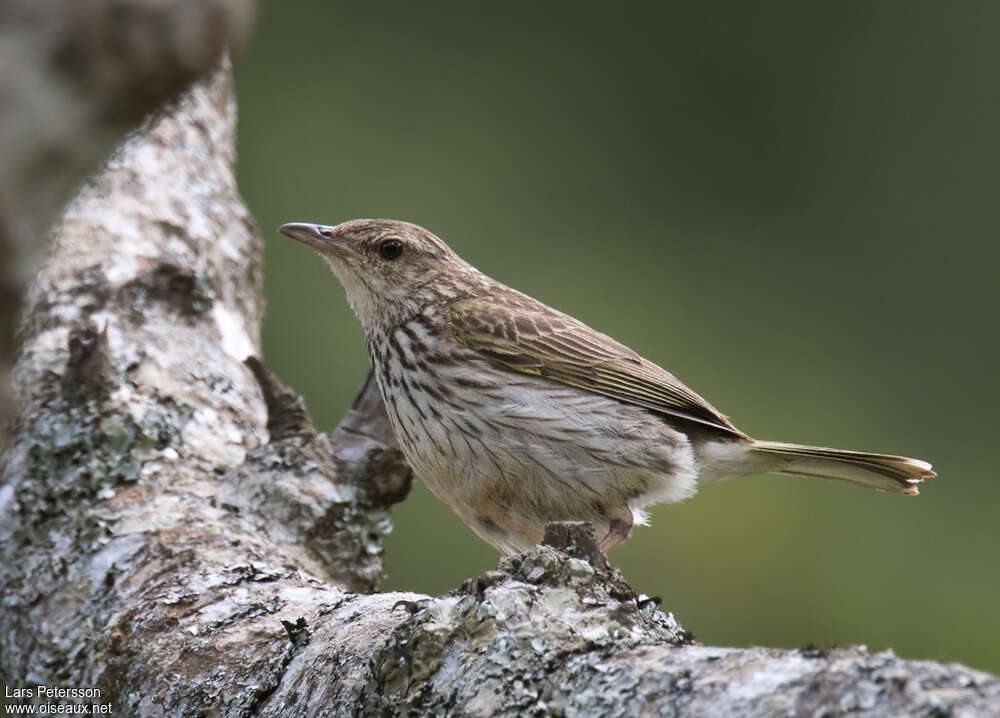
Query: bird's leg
pixel 618 531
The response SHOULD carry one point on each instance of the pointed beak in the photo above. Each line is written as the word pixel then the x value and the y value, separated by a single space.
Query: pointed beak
pixel 318 236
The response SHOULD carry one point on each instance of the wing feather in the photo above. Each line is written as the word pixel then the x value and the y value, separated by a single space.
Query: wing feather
pixel 526 336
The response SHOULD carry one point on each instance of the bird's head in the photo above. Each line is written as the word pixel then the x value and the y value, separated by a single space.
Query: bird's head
pixel 390 270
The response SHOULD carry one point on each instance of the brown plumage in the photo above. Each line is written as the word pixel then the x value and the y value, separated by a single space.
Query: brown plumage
pixel 516 414
pixel 524 335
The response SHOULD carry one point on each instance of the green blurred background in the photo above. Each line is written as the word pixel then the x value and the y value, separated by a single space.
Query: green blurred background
pixel 792 206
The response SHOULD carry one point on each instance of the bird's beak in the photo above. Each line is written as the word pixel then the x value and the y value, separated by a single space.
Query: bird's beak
pixel 318 236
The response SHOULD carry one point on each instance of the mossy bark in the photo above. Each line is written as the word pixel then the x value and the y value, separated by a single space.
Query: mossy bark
pixel 75 76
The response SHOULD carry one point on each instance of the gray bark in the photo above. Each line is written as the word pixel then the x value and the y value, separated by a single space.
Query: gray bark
pixel 75 75
pixel 177 533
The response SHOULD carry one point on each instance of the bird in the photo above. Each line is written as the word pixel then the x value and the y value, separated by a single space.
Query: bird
pixel 515 414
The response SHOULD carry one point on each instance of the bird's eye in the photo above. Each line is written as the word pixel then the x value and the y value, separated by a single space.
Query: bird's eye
pixel 390 249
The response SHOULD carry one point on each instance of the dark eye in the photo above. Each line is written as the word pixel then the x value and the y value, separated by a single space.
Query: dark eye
pixel 390 249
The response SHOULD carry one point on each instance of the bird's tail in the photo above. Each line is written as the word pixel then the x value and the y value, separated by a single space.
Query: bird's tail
pixel 896 474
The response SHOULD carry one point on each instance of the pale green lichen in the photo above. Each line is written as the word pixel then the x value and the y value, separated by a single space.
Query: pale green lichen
pixel 515 630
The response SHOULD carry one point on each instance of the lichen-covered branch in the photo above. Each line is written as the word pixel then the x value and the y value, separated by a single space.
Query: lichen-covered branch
pixel 75 76
pixel 154 479
pixel 176 533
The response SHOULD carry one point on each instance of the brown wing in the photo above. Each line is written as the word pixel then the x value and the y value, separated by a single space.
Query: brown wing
pixel 526 336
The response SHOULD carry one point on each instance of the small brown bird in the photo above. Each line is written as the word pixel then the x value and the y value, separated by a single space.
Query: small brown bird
pixel 515 414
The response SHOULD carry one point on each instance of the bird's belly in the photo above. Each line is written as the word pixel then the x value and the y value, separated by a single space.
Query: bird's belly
pixel 511 452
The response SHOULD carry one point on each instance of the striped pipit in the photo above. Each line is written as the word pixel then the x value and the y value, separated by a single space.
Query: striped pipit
pixel 515 414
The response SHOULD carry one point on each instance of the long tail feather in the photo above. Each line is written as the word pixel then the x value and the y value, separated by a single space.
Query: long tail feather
pixel 896 474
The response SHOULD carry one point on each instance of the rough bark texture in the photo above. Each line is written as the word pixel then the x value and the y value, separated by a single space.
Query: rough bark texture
pixel 176 533
pixel 75 75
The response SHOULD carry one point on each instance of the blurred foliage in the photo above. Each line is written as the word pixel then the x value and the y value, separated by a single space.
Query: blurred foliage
pixel 792 206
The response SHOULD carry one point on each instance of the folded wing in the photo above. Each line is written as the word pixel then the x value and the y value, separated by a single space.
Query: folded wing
pixel 526 336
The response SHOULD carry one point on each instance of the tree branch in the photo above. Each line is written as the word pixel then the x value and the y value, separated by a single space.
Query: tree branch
pixel 75 76
pixel 176 533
